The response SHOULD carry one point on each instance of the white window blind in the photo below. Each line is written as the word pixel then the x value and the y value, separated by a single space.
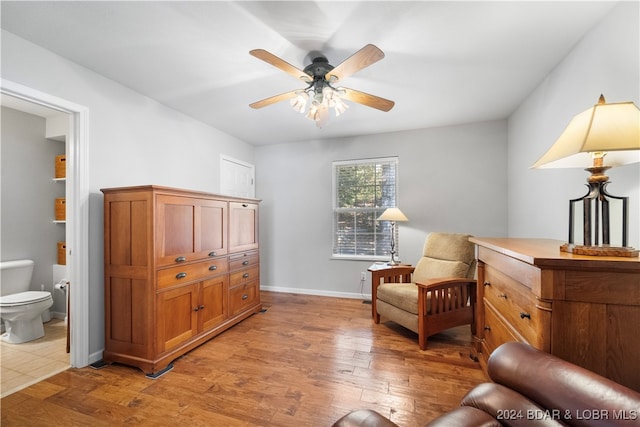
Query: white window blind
pixel 362 190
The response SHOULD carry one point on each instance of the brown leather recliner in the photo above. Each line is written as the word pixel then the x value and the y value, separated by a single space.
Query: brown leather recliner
pixel 531 387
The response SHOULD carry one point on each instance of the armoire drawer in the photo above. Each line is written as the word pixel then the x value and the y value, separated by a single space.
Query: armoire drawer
pixel 515 302
pixel 243 260
pixel 496 332
pixel 243 296
pixel 244 276
pixel 190 272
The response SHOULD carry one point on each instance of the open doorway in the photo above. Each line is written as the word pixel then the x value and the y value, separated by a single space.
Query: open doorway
pixel 77 206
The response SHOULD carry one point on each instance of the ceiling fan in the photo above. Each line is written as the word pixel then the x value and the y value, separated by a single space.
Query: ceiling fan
pixel 321 77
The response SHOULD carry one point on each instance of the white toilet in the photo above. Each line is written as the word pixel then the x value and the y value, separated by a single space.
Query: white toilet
pixel 21 310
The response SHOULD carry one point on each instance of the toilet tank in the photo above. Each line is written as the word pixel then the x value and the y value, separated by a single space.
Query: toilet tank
pixel 15 276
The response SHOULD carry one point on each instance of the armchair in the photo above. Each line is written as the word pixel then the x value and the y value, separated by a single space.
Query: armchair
pixel 437 294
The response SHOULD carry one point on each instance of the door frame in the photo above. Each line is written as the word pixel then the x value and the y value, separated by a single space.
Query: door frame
pixel 77 186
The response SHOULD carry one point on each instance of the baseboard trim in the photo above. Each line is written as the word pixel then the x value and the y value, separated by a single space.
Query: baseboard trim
pixel 317 292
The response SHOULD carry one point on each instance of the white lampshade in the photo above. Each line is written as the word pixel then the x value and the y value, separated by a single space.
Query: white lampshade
pixel 611 129
pixel 392 214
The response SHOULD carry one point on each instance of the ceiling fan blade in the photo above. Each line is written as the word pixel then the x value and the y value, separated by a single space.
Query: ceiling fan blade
pixel 281 64
pixel 361 59
pixel 366 99
pixel 273 99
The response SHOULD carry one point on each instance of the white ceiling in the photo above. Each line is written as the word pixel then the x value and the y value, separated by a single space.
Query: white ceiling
pixel 446 62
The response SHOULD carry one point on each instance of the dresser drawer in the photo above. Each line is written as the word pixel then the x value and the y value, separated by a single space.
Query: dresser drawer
pixel 190 272
pixel 243 296
pixel 496 332
pixel 243 276
pixel 244 260
pixel 515 302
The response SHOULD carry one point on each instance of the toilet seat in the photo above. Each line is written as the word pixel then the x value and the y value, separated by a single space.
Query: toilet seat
pixel 23 298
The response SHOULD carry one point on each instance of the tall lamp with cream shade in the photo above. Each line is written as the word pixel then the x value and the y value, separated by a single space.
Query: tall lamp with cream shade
pixel 393 215
pixel 606 129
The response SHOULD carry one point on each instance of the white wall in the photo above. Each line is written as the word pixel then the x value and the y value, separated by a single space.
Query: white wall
pixel 133 140
pixel 605 62
pixel 450 179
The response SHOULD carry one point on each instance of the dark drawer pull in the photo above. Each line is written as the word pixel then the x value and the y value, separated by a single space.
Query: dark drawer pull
pixel 181 275
pixel 523 315
pixel 213 267
pixel 201 307
pixel 212 253
pixel 181 259
pixel 487 328
pixel 487 284
pixel 245 275
pixel 502 296
pixel 195 308
pixel 244 205
pixel 245 262
pixel 245 296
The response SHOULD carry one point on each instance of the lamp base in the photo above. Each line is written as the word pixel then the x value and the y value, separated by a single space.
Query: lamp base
pixel 621 251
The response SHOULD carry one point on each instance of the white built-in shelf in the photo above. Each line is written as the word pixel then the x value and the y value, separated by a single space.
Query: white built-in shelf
pixel 59 222
pixel 59 179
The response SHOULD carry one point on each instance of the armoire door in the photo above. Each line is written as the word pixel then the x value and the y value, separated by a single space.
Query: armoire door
pixel 177 317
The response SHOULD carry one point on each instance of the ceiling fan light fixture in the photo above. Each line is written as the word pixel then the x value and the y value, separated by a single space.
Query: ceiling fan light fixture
pixel 340 106
pixel 299 102
pixel 320 95
pixel 313 113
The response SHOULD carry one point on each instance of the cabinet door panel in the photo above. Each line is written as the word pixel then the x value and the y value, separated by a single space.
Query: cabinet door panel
pixel 189 229
pixel 243 226
pixel 177 316
pixel 213 302
pixel 175 229
pixel 211 228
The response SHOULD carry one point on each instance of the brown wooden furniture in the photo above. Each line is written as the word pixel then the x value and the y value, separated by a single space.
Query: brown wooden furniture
pixel 437 294
pixel 583 309
pixel 180 267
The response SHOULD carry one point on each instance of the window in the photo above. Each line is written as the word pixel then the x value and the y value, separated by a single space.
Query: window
pixel 362 190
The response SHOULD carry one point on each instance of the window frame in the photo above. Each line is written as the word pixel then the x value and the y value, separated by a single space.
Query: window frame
pixel 385 227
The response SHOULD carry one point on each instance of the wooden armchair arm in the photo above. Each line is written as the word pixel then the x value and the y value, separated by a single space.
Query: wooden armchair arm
pixel 445 283
pixel 397 274
pixel 448 299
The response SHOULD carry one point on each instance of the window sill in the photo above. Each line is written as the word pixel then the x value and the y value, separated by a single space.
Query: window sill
pixel 358 258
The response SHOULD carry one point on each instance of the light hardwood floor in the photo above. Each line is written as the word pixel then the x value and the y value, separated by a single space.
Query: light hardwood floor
pixel 305 361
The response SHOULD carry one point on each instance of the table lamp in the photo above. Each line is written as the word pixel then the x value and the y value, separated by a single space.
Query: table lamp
pixel 606 129
pixel 393 215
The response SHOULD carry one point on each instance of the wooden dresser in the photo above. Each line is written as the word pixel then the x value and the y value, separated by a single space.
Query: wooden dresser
pixel 180 267
pixel 584 309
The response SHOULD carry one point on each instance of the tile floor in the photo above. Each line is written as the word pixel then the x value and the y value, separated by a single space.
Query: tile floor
pixel 27 363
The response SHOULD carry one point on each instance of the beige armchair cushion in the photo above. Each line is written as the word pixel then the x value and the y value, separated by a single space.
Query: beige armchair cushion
pixel 445 255
pixel 401 295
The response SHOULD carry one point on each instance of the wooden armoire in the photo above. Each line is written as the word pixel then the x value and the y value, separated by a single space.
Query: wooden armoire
pixel 180 267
